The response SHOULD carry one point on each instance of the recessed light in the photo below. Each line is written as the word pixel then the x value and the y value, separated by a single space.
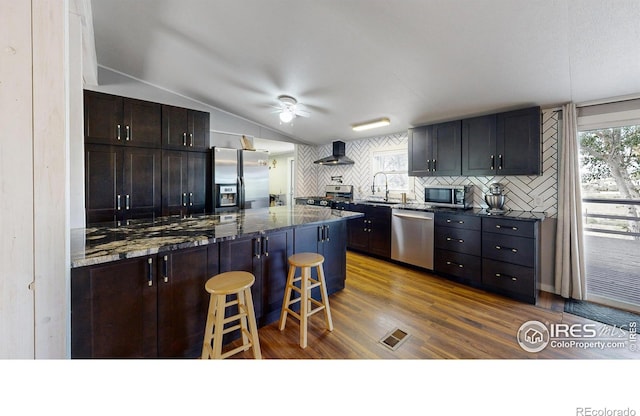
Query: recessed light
pixel 381 122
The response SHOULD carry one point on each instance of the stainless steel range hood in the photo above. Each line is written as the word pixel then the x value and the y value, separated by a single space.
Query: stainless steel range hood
pixel 337 157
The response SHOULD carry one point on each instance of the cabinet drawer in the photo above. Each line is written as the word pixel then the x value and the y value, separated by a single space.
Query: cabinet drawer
pixel 457 239
pixel 517 250
pixel 458 264
pixel 511 277
pixel 468 222
pixel 509 227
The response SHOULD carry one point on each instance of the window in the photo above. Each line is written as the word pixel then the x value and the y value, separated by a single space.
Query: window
pixel 394 163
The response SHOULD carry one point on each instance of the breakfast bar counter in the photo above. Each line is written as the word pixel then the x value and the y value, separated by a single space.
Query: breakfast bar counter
pixel 106 242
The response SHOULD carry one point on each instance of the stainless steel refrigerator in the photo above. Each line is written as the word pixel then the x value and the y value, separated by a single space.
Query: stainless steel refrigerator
pixel 240 179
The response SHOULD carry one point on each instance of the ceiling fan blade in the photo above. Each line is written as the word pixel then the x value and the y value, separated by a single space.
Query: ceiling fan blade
pixel 302 113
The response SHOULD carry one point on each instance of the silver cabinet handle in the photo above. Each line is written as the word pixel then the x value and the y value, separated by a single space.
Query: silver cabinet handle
pixel 150 275
pixel 118 131
pixel 190 199
pixel 499 162
pixel 184 139
pixel 493 162
pixel 513 228
pixel 184 199
pixel 434 165
pixel 165 270
pixel 128 136
pixel 514 278
pixel 126 202
pixel 118 206
pixel 191 139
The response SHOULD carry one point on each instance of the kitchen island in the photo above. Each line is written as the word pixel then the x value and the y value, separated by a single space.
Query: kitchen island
pixel 137 289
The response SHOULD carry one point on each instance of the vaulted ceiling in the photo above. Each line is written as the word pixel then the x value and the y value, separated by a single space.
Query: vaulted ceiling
pixel 349 61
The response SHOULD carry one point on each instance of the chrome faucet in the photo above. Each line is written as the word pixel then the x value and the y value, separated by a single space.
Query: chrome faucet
pixel 386 185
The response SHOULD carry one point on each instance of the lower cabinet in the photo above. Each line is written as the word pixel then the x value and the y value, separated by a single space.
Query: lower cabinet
pixel 372 233
pixel 511 257
pixel 145 307
pixel 329 241
pixel 265 256
pixel 496 253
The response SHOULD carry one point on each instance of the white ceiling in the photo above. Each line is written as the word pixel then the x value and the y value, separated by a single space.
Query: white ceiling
pixel 348 61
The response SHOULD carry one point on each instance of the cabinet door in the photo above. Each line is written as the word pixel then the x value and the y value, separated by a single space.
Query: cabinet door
pixel 380 235
pixel 479 146
pixel 518 142
pixel 103 118
pixel 198 181
pixel 182 302
pixel 198 130
pixel 142 123
pixel 276 248
pixel 445 141
pixel 333 250
pixel 358 233
pixel 419 157
pixel 244 254
pixel 175 126
pixel 141 193
pixel 114 310
pixel 174 182
pixel 102 182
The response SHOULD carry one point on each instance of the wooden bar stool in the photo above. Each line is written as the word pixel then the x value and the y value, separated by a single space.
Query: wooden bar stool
pixel 305 261
pixel 220 286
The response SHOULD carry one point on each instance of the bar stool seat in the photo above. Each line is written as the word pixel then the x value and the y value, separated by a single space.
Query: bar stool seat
pixel 235 284
pixel 308 305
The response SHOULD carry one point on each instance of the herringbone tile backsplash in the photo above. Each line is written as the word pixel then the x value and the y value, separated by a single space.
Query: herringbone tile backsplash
pixel 523 193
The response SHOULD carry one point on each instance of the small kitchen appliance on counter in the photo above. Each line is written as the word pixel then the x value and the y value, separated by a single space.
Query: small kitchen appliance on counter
pixel 495 198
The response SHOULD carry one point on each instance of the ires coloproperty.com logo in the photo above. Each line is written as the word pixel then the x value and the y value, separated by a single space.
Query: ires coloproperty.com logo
pixel 535 336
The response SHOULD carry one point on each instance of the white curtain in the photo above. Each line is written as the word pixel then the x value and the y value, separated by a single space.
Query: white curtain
pixel 569 268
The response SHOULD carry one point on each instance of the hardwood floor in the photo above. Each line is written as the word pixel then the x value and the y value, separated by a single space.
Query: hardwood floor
pixel 444 319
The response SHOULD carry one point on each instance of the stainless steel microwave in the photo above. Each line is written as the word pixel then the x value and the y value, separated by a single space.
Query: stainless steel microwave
pixel 450 196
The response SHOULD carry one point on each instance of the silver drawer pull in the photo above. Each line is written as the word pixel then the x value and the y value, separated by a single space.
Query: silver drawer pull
pixel 514 250
pixel 513 278
pixel 498 226
pixel 449 263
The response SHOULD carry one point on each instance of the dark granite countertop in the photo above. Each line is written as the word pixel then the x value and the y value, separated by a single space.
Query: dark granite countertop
pixel 101 243
pixel 519 215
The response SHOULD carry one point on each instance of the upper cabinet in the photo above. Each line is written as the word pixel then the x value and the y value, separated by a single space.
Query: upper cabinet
pixel 506 143
pixel 111 119
pixel 502 144
pixel 184 129
pixel 434 150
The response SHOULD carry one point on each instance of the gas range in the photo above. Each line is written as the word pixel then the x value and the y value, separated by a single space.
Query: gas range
pixel 333 193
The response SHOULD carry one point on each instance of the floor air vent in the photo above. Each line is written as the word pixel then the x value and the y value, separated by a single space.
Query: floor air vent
pixel 394 339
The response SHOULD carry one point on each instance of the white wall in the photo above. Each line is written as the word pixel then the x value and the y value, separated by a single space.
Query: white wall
pixel 278 175
pixel 34 243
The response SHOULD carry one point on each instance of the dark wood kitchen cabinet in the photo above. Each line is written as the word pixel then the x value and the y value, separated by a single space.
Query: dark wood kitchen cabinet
pixel 121 182
pixel 372 233
pixel 511 257
pixel 184 129
pixel 182 300
pixel 435 150
pixel 185 182
pixel 147 307
pixel 265 256
pixel 114 310
pixel 115 120
pixel 329 241
pixel 506 143
pixel 457 245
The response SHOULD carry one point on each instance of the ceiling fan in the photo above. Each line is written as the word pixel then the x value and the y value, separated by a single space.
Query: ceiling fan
pixel 288 109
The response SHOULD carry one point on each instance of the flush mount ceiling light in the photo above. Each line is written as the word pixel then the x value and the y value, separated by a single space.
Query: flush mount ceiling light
pixel 381 122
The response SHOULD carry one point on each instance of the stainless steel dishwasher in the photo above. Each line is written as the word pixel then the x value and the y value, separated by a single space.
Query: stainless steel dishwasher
pixel 412 237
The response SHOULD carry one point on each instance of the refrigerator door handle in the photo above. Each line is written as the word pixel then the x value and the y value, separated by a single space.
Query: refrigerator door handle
pixel 241 193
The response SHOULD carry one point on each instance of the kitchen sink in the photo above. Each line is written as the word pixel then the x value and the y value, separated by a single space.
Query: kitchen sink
pixel 381 202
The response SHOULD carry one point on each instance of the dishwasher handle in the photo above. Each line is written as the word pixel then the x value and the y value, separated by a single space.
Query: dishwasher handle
pixel 417 217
